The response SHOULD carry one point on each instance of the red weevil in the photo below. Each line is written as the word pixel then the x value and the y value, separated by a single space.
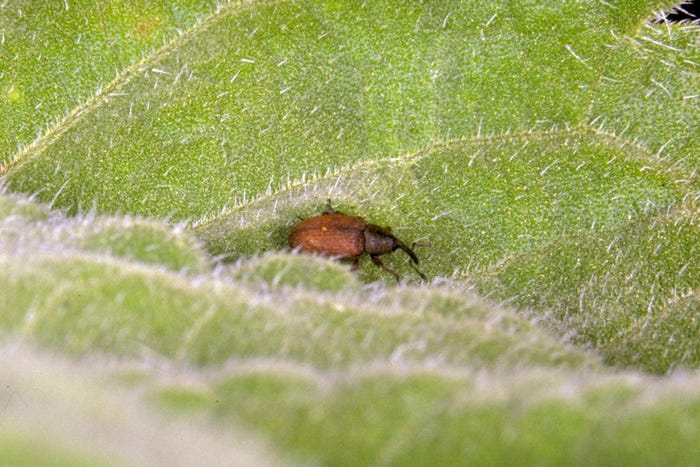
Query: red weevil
pixel 348 237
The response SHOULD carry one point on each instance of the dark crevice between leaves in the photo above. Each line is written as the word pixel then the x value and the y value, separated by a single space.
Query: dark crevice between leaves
pixel 683 12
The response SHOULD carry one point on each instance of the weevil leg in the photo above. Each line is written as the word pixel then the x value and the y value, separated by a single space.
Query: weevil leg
pixel 378 262
pixel 355 264
pixel 415 268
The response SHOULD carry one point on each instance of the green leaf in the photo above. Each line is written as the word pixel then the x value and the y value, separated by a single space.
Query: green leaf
pixel 255 96
pixel 632 291
pixel 84 301
pixel 63 56
pixel 420 416
pixel 58 412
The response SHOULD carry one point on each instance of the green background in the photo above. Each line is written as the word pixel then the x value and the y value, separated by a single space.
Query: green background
pixel 155 156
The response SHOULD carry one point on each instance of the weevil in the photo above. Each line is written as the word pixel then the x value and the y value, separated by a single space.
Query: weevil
pixel 346 237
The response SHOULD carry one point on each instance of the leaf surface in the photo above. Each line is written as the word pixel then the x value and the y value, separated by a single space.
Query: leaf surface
pixel 543 155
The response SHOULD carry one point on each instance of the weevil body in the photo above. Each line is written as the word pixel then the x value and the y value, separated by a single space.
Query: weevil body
pixel 348 237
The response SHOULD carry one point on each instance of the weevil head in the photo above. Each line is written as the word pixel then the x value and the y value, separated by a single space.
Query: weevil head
pixel 380 240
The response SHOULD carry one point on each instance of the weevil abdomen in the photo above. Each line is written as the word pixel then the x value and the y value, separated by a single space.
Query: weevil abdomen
pixel 336 235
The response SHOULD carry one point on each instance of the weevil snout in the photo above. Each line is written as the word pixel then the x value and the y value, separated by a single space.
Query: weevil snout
pixel 409 251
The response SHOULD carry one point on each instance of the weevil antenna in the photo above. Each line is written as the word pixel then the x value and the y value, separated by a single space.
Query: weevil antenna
pixel 408 251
